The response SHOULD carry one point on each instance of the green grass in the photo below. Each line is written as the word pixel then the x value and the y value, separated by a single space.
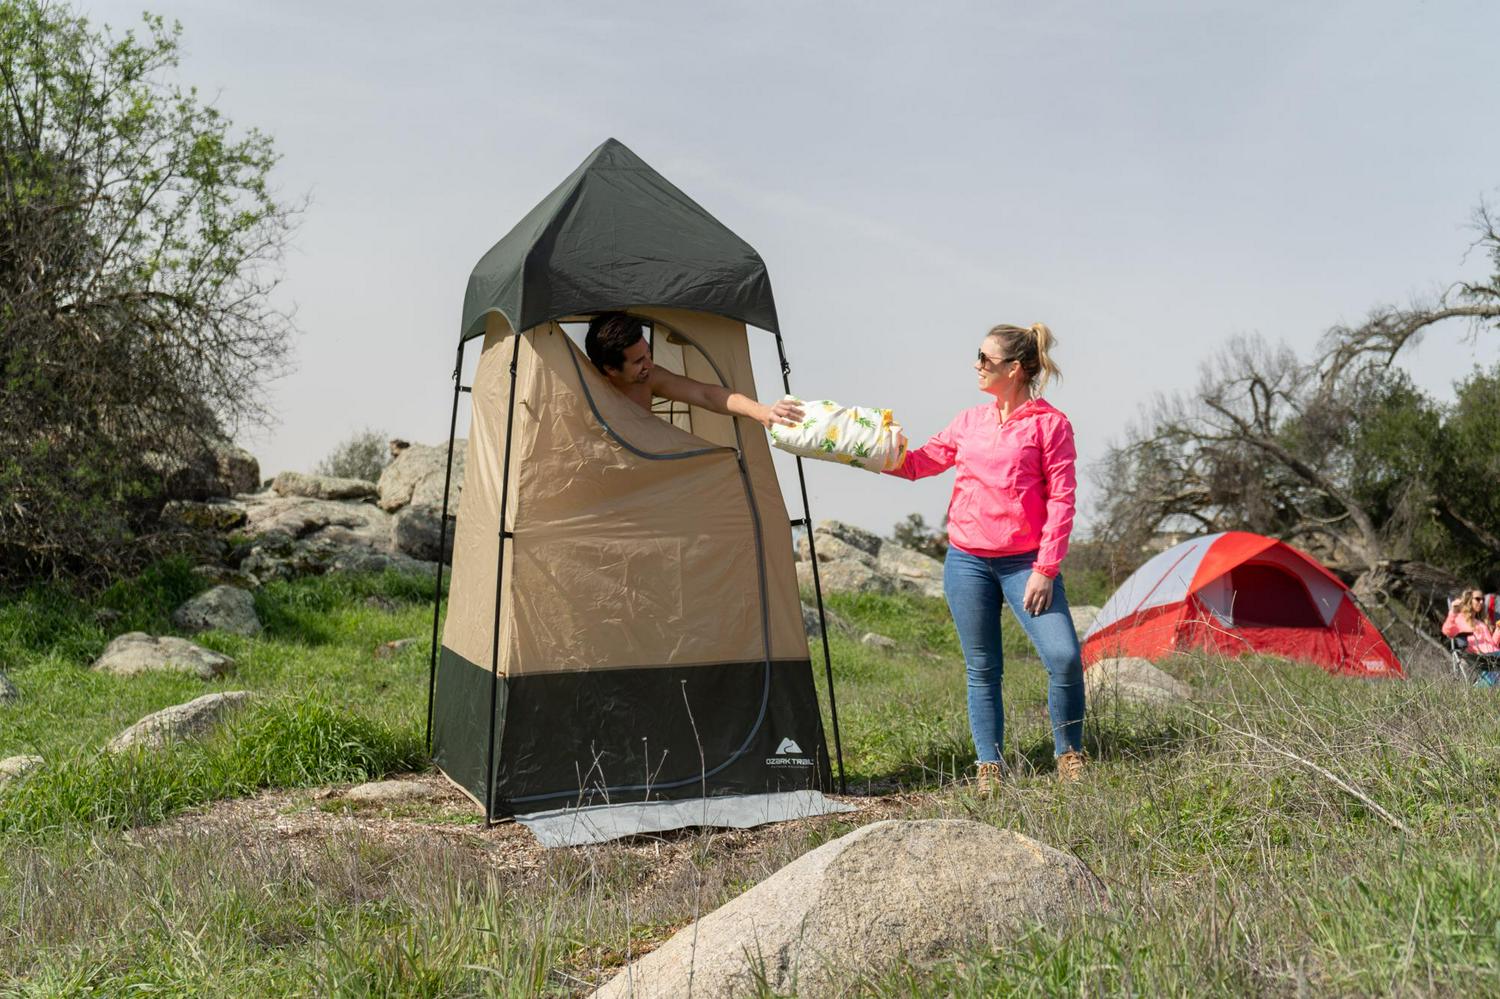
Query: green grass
pixel 1249 845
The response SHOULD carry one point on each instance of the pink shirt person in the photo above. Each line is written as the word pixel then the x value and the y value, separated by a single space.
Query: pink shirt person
pixel 1482 638
pixel 1015 485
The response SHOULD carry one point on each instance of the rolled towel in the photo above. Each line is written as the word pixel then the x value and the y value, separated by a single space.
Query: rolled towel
pixel 850 435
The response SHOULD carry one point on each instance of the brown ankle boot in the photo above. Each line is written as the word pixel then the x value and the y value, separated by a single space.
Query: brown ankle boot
pixel 989 778
pixel 1070 767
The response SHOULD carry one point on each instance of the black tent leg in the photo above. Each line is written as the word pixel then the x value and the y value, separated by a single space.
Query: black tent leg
pixel 812 553
pixel 504 535
pixel 437 593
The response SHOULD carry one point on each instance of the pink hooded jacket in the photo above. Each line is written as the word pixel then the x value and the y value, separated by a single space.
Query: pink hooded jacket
pixel 1014 490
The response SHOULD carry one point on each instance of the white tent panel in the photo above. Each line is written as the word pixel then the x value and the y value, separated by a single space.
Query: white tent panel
pixel 1164 579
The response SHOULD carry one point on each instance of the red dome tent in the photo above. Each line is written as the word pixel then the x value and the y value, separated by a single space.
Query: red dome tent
pixel 1238 592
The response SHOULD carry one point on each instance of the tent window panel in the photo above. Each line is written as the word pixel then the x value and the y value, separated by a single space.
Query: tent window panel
pixel 1269 596
pixel 668 355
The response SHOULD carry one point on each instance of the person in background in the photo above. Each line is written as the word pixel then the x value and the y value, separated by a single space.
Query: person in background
pixel 1008 525
pixel 1466 618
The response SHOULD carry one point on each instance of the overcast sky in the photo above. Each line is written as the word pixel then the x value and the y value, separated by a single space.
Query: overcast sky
pixel 1147 178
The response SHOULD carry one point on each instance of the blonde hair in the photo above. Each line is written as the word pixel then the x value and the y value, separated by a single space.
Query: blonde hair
pixel 1032 346
pixel 1466 609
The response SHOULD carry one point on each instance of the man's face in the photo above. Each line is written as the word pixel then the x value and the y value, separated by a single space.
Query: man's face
pixel 637 367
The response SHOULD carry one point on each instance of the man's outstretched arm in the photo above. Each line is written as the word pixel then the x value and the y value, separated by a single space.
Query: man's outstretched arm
pixel 719 399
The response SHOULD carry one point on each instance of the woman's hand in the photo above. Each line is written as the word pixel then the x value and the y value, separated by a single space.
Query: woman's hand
pixel 785 412
pixel 1038 593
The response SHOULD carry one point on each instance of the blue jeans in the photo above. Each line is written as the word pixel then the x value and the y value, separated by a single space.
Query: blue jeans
pixel 975 588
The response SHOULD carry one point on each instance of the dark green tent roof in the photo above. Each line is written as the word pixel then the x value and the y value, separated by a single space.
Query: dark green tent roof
pixel 616 233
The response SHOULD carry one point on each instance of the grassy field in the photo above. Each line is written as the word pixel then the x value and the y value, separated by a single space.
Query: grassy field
pixel 1291 833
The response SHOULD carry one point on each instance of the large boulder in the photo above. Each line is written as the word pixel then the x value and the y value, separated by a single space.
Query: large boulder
pixel 222 608
pixel 845 577
pixel 192 720
pixel 416 474
pixel 418 532
pixel 238 471
pixel 1132 680
pixel 325 487
pixel 136 652
pixel 886 892
pixel 280 556
pixel 912 570
pixel 303 517
pixel 853 560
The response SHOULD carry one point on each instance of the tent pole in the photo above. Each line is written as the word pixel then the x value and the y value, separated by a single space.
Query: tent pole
pixel 510 419
pixel 812 554
pixel 437 593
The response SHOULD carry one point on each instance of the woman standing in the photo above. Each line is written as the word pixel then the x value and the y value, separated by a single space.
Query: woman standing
pixel 1008 526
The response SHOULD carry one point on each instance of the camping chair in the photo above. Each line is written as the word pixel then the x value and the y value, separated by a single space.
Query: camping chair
pixel 1475 667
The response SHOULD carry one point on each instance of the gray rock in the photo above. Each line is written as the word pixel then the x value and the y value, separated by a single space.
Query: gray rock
pixel 222 608
pixel 325 487
pixel 811 625
pixel 301 517
pixel 383 604
pixel 220 515
pixel 8 691
pixel 417 532
pixel 415 477
pixel 877 641
pixel 911 569
pixel 886 892
pixel 845 577
pixel 136 652
pixel 106 616
pixel 1083 617
pixel 192 720
pixel 391 792
pixel 1133 681
pixel 834 549
pixel 16 767
pixel 389 650
pixel 277 556
pixel 238 471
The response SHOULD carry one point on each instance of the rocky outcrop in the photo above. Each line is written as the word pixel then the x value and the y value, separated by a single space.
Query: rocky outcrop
pixel 418 531
pixel 884 893
pixel 219 515
pixel 324 487
pixel 1132 680
pixel 222 608
pixel 416 473
pixel 195 719
pixel 136 652
pixel 853 560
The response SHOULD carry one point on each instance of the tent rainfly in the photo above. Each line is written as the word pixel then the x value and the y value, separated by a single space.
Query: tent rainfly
pixel 1238 592
pixel 623 649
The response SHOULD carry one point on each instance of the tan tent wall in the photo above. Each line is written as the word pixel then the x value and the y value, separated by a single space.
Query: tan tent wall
pixel 621 565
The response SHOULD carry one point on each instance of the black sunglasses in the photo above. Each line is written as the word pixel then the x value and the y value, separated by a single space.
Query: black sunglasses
pixel 987 359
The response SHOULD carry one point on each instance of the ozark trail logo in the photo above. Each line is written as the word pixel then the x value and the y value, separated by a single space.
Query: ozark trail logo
pixel 788 754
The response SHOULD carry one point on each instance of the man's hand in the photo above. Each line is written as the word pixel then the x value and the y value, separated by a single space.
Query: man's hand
pixel 786 412
pixel 1038 593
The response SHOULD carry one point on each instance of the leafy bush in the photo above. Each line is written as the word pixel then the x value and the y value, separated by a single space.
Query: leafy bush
pixel 363 456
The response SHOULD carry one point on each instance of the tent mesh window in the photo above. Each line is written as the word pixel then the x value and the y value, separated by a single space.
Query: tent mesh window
pixel 668 355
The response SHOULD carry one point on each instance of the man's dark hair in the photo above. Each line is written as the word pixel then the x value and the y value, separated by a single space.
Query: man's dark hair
pixel 610 335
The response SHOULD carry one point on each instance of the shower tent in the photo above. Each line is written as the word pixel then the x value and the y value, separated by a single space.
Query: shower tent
pixel 623 649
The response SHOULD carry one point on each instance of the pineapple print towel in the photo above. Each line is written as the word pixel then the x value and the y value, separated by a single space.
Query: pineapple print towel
pixel 850 435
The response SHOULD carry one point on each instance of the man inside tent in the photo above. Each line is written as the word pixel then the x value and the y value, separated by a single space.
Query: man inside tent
pixel 616 343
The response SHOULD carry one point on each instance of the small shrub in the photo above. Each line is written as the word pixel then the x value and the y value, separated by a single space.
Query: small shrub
pixel 363 456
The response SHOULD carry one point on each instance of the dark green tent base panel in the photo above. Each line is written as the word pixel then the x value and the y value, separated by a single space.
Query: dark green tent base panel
pixel 621 735
pixel 601 823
